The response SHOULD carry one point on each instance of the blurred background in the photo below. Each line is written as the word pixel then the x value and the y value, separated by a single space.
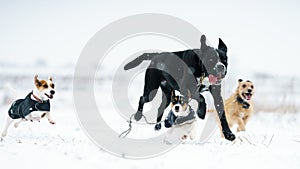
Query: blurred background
pixel 46 38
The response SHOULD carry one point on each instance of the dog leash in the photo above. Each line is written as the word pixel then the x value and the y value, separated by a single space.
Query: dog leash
pixel 126 132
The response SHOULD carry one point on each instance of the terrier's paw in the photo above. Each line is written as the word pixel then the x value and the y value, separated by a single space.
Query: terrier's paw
pixel 3 134
pixel 184 137
pixel 16 125
pixel 51 122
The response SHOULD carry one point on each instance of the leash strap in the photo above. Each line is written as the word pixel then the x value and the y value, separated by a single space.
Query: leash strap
pixel 126 132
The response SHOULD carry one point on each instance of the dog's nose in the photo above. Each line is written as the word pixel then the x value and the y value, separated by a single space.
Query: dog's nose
pixel 249 90
pixel 220 68
pixel 52 92
pixel 176 108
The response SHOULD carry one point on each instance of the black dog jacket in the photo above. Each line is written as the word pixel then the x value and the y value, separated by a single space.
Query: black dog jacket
pixel 173 120
pixel 23 107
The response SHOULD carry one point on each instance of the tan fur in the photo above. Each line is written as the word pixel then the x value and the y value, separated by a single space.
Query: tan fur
pixel 234 111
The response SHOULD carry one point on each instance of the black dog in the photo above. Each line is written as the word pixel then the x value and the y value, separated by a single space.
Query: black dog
pixel 178 71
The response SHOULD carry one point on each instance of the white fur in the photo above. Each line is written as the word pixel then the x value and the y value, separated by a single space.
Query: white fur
pixel 182 131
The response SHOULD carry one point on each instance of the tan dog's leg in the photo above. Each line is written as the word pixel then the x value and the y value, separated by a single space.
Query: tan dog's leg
pixel 246 119
pixel 241 125
pixel 7 124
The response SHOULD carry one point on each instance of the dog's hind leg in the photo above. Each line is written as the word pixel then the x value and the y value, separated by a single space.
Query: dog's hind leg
pixel 152 82
pixel 7 124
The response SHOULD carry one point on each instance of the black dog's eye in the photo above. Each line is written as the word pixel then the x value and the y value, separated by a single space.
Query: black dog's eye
pixel 45 86
pixel 244 86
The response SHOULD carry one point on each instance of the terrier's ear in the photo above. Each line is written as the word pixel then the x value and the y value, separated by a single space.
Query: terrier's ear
pixel 203 42
pixel 36 80
pixel 50 78
pixel 173 93
pixel 240 80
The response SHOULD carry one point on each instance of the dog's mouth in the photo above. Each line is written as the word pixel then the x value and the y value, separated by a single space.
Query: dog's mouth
pixel 247 96
pixel 215 80
pixel 49 96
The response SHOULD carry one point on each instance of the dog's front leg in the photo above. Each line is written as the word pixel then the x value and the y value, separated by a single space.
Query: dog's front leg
pixel 215 90
pixel 7 124
pixel 49 117
pixel 16 125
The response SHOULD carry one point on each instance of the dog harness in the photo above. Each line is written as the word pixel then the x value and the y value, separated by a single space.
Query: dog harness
pixel 245 104
pixel 173 120
pixel 23 107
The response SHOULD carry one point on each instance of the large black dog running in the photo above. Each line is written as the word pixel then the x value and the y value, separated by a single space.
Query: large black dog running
pixel 179 71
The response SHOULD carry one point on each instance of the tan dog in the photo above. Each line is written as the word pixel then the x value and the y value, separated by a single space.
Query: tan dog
pixel 238 107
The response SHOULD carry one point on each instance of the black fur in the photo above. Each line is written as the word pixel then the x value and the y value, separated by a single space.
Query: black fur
pixel 178 71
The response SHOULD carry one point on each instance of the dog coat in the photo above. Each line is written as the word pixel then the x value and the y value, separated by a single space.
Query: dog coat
pixel 23 107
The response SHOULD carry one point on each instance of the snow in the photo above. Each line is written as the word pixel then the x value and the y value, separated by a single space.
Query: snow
pixel 46 38
pixel 272 140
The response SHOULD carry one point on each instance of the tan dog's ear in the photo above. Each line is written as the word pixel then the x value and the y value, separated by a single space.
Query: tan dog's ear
pixel 36 81
pixel 240 80
pixel 50 78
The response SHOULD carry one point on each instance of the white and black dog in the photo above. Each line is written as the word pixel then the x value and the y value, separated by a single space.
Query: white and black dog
pixel 179 71
pixel 181 119
pixel 33 107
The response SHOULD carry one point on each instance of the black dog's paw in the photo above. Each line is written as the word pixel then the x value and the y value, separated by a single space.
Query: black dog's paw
pixel 229 135
pixel 157 127
pixel 138 115
pixel 201 113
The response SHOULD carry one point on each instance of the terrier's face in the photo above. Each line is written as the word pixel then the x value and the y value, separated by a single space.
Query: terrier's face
pixel 245 89
pixel 179 104
pixel 44 88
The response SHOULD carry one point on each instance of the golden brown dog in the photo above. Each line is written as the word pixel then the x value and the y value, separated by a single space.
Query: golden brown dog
pixel 239 107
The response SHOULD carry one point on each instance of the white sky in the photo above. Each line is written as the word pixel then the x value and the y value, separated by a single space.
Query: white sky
pixel 262 36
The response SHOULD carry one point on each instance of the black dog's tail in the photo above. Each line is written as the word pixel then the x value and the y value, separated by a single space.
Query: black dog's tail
pixel 139 60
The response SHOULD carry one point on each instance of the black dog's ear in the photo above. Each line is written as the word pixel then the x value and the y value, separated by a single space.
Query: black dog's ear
pixel 173 93
pixel 222 45
pixel 203 42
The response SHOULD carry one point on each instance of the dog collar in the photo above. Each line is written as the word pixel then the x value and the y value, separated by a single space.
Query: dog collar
pixel 37 99
pixel 245 104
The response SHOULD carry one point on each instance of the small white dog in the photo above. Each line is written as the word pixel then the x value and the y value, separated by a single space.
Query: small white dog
pixel 181 118
pixel 33 107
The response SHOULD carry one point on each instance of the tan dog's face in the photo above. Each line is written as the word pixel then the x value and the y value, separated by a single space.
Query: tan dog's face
pixel 45 88
pixel 245 89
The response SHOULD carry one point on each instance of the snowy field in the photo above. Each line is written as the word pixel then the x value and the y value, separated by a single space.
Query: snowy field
pixel 47 38
pixel 272 140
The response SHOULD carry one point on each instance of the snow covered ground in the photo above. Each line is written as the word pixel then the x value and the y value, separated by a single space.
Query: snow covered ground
pixel 272 140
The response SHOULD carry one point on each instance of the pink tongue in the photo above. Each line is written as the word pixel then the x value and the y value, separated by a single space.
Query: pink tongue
pixel 212 79
pixel 248 97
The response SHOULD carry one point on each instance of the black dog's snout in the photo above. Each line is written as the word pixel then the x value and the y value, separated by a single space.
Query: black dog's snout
pixel 249 90
pixel 52 92
pixel 220 68
pixel 177 108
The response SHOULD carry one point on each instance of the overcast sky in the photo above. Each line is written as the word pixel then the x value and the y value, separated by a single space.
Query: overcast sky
pixel 262 36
